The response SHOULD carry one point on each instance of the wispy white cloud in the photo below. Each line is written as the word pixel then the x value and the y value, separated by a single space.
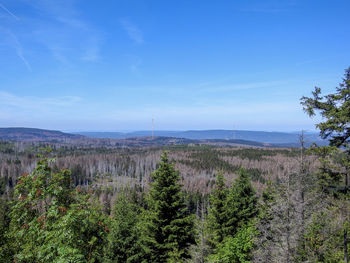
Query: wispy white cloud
pixel 64 33
pixel 72 22
pixel 45 112
pixel 242 86
pixel 132 30
pixel 205 87
pixel 19 50
pixel 35 103
pixel 191 116
pixel 9 12
pixel 202 112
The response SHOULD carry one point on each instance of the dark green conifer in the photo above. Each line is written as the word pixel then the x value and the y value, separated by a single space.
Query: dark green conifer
pixel 170 228
pixel 217 212
pixel 123 241
pixel 334 172
pixel 241 204
pixel 231 220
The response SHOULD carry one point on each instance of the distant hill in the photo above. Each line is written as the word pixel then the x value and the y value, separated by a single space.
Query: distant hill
pixel 41 135
pixel 255 136
pixel 161 138
pixel 33 134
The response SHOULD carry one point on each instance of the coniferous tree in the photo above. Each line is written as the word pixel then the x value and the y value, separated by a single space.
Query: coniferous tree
pixel 218 213
pixel 52 221
pixel 241 204
pixel 236 248
pixel 335 126
pixel 170 230
pixel 123 241
pixel 231 220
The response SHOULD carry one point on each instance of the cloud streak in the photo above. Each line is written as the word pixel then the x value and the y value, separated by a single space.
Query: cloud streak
pixel 132 30
pixel 35 103
pixel 243 86
pixel 44 112
pixel 9 12
pixel 19 50
pixel 64 32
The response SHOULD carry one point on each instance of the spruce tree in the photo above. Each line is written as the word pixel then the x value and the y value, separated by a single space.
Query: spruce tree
pixel 170 227
pixel 335 126
pixel 241 204
pixel 237 248
pixel 231 220
pixel 123 241
pixel 217 212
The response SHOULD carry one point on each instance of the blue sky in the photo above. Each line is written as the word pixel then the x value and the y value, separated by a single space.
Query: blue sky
pixel 112 65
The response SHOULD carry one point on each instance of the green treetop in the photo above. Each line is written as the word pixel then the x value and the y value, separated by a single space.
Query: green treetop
pixel 53 222
pixel 123 241
pixel 217 215
pixel 334 171
pixel 335 109
pixel 170 228
pixel 241 204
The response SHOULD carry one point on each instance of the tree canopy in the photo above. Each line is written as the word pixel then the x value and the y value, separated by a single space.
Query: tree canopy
pixel 170 227
pixel 335 109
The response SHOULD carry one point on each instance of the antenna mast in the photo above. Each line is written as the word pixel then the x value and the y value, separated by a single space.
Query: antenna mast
pixel 152 127
pixel 233 133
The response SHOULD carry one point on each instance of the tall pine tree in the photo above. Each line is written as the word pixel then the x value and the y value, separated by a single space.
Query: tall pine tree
pixel 217 215
pixel 230 220
pixel 241 204
pixel 335 126
pixel 123 241
pixel 170 230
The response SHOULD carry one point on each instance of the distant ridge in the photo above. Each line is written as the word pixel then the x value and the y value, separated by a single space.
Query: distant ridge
pixel 161 138
pixel 34 134
pixel 51 136
pixel 256 136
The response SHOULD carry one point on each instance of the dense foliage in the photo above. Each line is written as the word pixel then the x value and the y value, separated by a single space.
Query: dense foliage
pixel 170 228
pixel 124 240
pixel 52 221
pixel 231 220
pixel 333 175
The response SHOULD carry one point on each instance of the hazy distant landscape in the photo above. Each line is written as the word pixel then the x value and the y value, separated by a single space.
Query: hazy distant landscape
pixel 257 136
pixel 252 138
pixel 147 131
